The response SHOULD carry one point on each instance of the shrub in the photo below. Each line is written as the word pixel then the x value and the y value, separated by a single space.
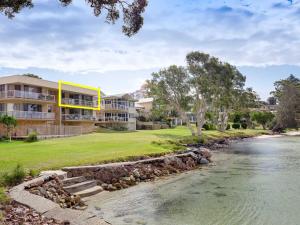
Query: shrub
pixel 236 126
pixel 244 125
pixel 3 197
pixel 33 173
pixel 205 126
pixel 209 126
pixel 228 127
pixel 15 177
pixel 32 137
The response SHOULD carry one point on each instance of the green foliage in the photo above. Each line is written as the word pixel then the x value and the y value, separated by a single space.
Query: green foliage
pixel 33 173
pixel 209 126
pixel 3 197
pixel 236 125
pixel 15 177
pixel 228 127
pixel 9 122
pixel 130 11
pixel 287 92
pixel 262 118
pixel 31 75
pixel 32 137
pixel 244 125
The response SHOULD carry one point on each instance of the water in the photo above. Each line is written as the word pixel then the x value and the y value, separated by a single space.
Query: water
pixel 257 182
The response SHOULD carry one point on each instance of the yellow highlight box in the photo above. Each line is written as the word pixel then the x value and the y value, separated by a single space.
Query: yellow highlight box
pixel 60 104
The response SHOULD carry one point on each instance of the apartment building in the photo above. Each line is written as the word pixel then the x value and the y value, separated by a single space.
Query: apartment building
pixel 34 103
pixel 117 111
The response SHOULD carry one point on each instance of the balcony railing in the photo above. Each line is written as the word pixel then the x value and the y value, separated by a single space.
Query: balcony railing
pixel 78 117
pixel 113 119
pixel 114 106
pixel 27 95
pixel 30 115
pixel 79 102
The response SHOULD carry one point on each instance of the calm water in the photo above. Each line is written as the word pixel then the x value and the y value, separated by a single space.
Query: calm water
pixel 257 183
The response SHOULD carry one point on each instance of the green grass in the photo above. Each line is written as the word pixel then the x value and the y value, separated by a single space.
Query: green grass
pixel 97 147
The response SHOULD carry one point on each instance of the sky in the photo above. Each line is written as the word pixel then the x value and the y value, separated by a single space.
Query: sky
pixel 260 37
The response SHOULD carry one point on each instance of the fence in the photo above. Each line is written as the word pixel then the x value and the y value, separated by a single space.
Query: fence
pixel 50 130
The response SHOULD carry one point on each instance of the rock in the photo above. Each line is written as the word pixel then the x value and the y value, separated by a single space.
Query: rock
pixel 136 173
pixel 104 186
pixel 203 161
pixel 118 186
pixel 110 187
pixel 206 153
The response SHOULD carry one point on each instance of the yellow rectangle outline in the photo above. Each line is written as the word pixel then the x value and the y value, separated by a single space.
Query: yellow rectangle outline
pixel 60 83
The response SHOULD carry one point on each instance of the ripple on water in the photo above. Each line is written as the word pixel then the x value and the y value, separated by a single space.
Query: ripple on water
pixel 260 185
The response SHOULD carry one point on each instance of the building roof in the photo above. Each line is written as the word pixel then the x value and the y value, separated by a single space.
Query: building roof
pixel 122 96
pixel 44 83
pixel 145 100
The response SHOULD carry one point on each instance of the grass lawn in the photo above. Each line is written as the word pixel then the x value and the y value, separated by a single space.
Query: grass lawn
pixel 96 147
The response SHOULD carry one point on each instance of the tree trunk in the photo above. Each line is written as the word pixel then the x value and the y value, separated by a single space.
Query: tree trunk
pixel 222 121
pixel 200 116
pixel 185 118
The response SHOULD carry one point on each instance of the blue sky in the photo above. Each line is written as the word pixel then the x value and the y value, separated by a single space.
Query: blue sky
pixel 260 37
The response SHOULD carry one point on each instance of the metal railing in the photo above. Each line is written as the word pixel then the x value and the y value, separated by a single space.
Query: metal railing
pixel 79 102
pixel 27 95
pixel 78 117
pixel 29 115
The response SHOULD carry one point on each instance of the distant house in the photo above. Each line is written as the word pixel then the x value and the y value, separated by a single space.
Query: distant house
pixel 144 107
pixel 117 111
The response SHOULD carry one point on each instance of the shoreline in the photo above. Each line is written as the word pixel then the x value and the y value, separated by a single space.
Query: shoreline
pixel 213 145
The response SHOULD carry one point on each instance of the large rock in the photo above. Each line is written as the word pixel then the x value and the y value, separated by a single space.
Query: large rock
pixel 206 153
pixel 203 161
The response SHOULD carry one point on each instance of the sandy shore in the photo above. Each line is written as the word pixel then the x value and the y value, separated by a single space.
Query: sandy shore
pixel 290 133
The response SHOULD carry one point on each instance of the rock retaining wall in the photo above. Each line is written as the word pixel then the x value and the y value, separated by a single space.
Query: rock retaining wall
pixel 116 176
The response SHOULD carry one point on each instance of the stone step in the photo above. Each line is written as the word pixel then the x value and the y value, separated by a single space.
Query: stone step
pixel 80 186
pixel 73 180
pixel 89 192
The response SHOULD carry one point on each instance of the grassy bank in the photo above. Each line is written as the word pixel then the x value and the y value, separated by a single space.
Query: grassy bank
pixel 99 147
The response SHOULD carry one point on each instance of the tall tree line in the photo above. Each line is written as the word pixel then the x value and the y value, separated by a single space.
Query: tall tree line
pixel 205 85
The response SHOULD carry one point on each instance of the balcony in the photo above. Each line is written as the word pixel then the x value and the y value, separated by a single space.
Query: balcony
pixel 78 117
pixel 27 95
pixel 113 119
pixel 30 115
pixel 115 107
pixel 79 102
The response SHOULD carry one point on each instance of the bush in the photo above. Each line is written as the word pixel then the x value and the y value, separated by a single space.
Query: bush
pixel 205 126
pixel 228 127
pixel 236 126
pixel 3 197
pixel 15 177
pixel 244 125
pixel 32 137
pixel 33 173
pixel 209 126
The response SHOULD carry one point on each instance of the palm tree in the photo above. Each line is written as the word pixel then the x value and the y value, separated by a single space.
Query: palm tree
pixel 9 122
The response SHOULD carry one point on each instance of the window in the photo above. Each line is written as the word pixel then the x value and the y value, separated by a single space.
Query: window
pixel 2 87
pixel 32 107
pixel 18 87
pixel 2 107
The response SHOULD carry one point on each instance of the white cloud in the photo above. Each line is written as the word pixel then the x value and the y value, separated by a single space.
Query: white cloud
pixel 72 40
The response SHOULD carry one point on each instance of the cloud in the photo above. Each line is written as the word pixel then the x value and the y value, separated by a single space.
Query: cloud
pixel 71 39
